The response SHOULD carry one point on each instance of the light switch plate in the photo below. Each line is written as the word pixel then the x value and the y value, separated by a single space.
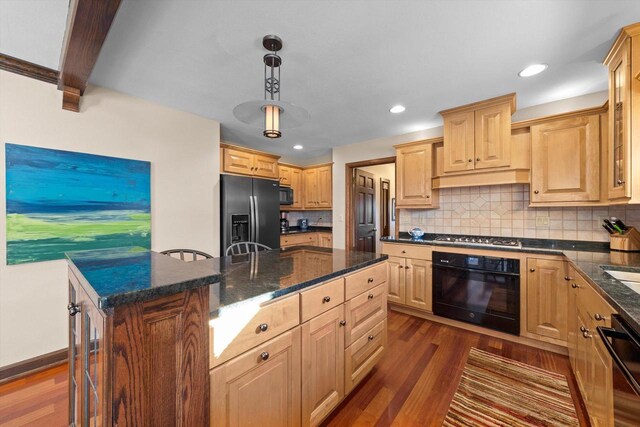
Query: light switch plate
pixel 542 221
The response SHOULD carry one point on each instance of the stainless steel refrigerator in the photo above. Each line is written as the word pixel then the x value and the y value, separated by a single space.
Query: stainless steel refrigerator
pixel 250 211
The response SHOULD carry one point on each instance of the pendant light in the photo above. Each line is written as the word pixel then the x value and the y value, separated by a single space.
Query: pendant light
pixel 272 113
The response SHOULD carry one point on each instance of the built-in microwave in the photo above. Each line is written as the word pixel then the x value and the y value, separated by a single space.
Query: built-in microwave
pixel 286 196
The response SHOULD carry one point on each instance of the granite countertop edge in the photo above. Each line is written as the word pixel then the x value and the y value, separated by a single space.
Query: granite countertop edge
pixel 311 229
pixel 623 299
pixel 298 286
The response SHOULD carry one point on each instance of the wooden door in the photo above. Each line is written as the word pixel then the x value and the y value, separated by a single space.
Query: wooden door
pixel 385 207
pixel 418 284
pixel 600 405
pixel 322 365
pixel 547 298
pixel 459 144
pixel 581 370
pixel 325 199
pixel 565 160
pixel 414 172
pixel 325 240
pixel 310 181
pixel 297 187
pixel 285 175
pixel 572 318
pixel 493 136
pixel 265 166
pixel 260 387
pixel 396 290
pixel 365 211
pixel 619 168
pixel 237 161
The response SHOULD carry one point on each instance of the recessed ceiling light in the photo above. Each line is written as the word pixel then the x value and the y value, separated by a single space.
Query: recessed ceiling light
pixel 297 147
pixel 397 109
pixel 532 70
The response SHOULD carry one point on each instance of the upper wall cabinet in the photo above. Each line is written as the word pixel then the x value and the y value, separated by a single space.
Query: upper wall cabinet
pixel 414 170
pixel 565 160
pixel 623 61
pixel 317 182
pixel 478 136
pixel 238 160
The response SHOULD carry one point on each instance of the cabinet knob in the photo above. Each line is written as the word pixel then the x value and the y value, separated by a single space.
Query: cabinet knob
pixel 370 296
pixel 264 355
pixel 536 192
pixel 407 267
pixel 598 317
pixel 73 308
pixel 470 160
pixel 326 299
pixel 567 278
pixel 263 327
pixel 343 322
pixel 620 182
pixel 370 337
pixel 400 267
pixel 370 280
pixel 575 285
pixel 428 196
pixel 586 334
pixel 583 329
pixel 532 270
pixel 478 159
pixel 404 252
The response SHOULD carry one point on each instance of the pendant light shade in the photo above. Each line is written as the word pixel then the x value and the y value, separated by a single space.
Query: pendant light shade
pixel 271 113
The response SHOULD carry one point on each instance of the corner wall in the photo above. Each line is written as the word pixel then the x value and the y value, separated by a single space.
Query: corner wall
pixel 184 153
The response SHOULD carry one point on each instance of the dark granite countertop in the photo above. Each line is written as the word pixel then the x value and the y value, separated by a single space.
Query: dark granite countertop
pixel 590 258
pixel 311 229
pixel 262 276
pixel 124 275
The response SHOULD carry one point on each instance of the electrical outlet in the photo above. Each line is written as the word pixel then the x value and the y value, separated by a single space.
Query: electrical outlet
pixel 542 221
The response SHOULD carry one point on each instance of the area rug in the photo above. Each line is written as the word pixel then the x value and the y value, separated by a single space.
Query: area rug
pixel 496 391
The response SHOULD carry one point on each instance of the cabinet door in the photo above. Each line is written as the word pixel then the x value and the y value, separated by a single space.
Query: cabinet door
pixel 285 175
pixel 75 352
pixel 418 284
pixel 259 387
pixel 325 240
pixel 237 161
pixel 493 136
pixel 310 181
pixel 547 298
pixel 459 141
pixel 325 199
pixel 396 291
pixel 600 405
pixel 265 166
pixel 582 368
pixel 296 186
pixel 572 319
pixel 322 365
pixel 619 169
pixel 413 171
pixel 565 160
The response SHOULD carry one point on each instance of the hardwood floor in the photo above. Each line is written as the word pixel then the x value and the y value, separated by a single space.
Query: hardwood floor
pixel 411 386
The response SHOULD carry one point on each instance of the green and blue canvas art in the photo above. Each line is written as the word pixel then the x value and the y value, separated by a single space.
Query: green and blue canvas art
pixel 62 201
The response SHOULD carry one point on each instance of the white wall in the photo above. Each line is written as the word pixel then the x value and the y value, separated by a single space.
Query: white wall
pixel 184 153
pixel 386 171
pixel 383 147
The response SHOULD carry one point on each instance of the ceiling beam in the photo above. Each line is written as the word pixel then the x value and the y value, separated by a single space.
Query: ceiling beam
pixel 28 69
pixel 88 23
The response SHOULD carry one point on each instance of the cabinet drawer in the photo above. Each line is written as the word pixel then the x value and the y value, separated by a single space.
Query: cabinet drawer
pixel 364 280
pixel 322 298
pixel 364 312
pixel 363 354
pixel 299 239
pixel 407 251
pixel 595 307
pixel 238 330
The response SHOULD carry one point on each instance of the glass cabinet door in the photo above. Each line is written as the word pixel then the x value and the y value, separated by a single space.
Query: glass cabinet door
pixel 92 367
pixel 75 365
pixel 619 123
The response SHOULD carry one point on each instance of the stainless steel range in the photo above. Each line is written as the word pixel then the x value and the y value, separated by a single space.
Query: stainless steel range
pixel 479 240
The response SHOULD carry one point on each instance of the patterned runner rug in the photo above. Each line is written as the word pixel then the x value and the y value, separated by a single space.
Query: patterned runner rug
pixel 496 391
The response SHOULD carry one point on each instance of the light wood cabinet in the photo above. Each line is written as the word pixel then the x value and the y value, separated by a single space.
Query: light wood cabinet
pixel 238 388
pixel 310 185
pixel 321 238
pixel 322 365
pixel 547 298
pixel 236 160
pixel 297 187
pixel 325 240
pixel 285 174
pixel 565 160
pixel 363 354
pixel 478 135
pixel 410 275
pixel 414 170
pixel 364 311
pixel 317 187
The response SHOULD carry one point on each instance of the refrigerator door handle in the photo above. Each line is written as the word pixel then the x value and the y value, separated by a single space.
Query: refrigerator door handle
pixel 252 226
pixel 256 219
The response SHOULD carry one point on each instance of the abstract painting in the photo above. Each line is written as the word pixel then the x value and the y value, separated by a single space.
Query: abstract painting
pixel 62 201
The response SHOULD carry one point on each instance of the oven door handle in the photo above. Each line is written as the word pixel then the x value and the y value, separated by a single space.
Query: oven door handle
pixel 610 332
pixel 497 273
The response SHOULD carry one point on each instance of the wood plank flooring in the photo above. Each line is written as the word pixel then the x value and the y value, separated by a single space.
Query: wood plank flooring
pixel 412 386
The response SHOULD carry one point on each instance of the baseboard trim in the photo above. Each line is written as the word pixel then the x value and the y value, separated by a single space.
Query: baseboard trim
pixel 31 366
pixel 555 348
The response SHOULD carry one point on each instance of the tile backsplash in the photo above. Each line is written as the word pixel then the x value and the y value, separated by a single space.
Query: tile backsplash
pixel 316 218
pixel 502 210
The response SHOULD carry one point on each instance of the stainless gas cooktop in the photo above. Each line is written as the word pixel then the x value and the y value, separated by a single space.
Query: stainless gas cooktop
pixel 480 241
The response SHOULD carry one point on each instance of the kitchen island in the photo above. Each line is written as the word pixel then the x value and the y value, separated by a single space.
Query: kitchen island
pixel 276 338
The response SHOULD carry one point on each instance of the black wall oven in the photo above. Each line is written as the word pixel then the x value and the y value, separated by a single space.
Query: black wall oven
pixel 477 289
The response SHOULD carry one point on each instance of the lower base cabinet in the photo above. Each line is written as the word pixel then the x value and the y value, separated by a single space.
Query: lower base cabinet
pixel 238 396
pixel 363 354
pixel 410 275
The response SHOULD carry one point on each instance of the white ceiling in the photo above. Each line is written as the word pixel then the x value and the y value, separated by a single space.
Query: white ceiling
pixel 347 62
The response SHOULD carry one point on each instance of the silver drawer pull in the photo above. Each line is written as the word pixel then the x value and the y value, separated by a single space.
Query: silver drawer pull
pixel 326 299
pixel 370 337
pixel 343 322
pixel 264 355
pixel 370 280
pixel 370 296
pixel 263 327
pixel 598 317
